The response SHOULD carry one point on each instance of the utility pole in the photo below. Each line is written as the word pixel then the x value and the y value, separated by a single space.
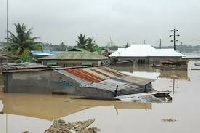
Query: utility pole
pixel 174 37
pixel 7 29
pixel 160 45
pixel 7 24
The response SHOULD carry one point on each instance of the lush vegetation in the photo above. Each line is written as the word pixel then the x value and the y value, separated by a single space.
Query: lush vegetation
pixel 88 44
pixel 111 47
pixel 22 40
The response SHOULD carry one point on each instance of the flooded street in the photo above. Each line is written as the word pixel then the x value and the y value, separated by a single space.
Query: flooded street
pixel 34 113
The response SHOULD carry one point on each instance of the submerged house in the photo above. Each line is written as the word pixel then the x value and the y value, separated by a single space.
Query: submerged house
pixel 146 54
pixel 75 57
pixel 93 82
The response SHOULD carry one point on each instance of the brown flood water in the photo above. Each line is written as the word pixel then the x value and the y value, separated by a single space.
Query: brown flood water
pixel 35 112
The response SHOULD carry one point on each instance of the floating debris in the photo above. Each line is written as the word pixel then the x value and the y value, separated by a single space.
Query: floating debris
pixel 161 97
pixel 60 126
pixel 169 120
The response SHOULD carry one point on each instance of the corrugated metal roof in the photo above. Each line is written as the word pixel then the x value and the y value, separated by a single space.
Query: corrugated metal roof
pixel 15 66
pixel 75 55
pixel 25 70
pixel 103 82
pixel 99 74
pixel 84 75
pixel 145 51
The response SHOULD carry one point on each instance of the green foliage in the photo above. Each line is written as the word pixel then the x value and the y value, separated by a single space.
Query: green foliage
pixel 82 41
pixel 22 40
pixel 91 45
pixel 112 47
pixel 99 49
pixel 88 44
pixel 37 47
pixel 25 57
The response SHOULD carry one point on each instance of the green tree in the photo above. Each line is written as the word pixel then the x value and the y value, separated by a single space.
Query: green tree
pixel 91 45
pixel 25 57
pixel 112 47
pixel 98 49
pixel 22 40
pixel 82 41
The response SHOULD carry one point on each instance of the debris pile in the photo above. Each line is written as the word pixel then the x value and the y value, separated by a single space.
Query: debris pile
pixel 60 126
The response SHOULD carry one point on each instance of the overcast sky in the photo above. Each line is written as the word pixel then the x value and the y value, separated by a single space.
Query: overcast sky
pixel 124 21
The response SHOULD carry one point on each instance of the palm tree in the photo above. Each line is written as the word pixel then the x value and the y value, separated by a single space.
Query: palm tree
pixel 91 45
pixel 22 40
pixel 82 41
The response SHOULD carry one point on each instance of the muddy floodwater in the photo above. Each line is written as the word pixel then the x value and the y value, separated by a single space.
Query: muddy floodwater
pixel 35 113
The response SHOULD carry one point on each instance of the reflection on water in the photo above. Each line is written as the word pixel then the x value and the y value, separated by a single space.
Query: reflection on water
pixel 17 106
pixel 181 74
pixel 56 106
pixel 111 116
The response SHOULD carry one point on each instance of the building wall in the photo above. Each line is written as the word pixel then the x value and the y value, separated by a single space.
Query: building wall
pixel 70 63
pixel 158 60
pixel 48 82
pixel 148 60
pixel 41 82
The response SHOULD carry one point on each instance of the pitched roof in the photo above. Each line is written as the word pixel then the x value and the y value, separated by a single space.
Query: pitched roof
pixel 144 51
pixel 166 52
pixel 76 54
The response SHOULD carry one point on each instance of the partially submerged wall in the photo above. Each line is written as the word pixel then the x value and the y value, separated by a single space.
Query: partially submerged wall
pixel 101 82
pixel 47 82
pixel 27 82
pixel 42 82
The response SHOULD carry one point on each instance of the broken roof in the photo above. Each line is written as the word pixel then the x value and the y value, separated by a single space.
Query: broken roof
pixel 75 54
pixel 145 51
pixel 104 77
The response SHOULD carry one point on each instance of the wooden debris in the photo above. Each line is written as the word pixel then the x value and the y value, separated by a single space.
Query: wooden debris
pixel 60 126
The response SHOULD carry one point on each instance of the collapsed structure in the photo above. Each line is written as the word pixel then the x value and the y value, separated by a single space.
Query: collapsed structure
pixel 92 82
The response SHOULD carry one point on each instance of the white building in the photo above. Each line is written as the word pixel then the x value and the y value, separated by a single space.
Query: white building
pixel 146 54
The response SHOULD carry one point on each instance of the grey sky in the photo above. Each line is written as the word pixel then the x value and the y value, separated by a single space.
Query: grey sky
pixel 124 20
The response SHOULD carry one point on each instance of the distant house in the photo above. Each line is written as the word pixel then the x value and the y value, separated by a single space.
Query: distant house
pixel 43 53
pixel 75 57
pixel 146 54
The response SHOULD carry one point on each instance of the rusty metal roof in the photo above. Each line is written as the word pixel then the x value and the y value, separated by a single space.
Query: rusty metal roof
pixel 99 74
